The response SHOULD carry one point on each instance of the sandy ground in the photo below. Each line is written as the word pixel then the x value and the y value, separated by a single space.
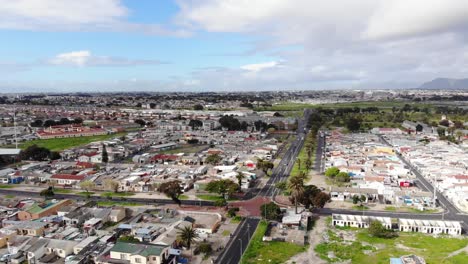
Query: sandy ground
pixel 315 238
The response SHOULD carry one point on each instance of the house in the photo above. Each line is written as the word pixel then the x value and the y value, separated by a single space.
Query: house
pixel 430 226
pixel 39 210
pixel 61 248
pixel 25 228
pixel 359 220
pixel 117 215
pixel 67 179
pixel 84 243
pixel 134 253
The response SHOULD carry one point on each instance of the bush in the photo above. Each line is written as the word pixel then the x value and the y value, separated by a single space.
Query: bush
pixel 378 230
pixel 232 211
pixel 204 248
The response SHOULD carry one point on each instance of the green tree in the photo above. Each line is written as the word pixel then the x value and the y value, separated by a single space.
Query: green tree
pixel 204 248
pixel 376 229
pixel 87 185
pixel 198 107
pixel 47 193
pixel 172 189
pixel 282 185
pixel 353 123
pixel 187 236
pixel 213 159
pixel 321 199
pixel 128 239
pixel 296 186
pixel 112 185
pixel 342 177
pixel 105 155
pixel 240 176
pixel 332 172
pixel 270 211
pixel 222 187
pixel 265 165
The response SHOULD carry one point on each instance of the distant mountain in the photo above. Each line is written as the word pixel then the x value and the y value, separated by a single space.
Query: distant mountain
pixel 446 83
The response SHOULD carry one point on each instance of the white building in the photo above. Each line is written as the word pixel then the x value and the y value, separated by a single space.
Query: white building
pixel 359 220
pixel 430 226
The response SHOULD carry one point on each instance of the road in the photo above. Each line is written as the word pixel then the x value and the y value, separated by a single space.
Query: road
pixel 238 242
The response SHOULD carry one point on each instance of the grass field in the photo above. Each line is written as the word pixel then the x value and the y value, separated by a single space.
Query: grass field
pixel 118 194
pixel 410 210
pixel 6 186
pixel 274 252
pixel 58 190
pixel 367 249
pixel 59 144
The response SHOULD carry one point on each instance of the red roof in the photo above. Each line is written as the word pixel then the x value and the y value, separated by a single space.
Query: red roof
pixel 68 177
pixel 84 164
pixel 461 177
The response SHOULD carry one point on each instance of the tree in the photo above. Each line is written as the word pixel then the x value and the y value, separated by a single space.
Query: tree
pixel 321 199
pixel 213 159
pixel 308 196
pixel 444 122
pixel 332 172
pixel 419 128
pixel 198 107
pixel 187 235
pixel 296 186
pixel 265 165
pixel 47 193
pixel 204 248
pixel 172 189
pixel 270 211
pixel 342 177
pixel 141 122
pixel 240 176
pixel 105 156
pixel 87 185
pixel 37 123
pixel 222 187
pixel 112 185
pixel 35 152
pixel 376 229
pixel 49 123
pixel 353 124
pixel 282 185
pixel 195 124
pixel 441 132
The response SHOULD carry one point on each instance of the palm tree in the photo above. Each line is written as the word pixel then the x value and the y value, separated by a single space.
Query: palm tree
pixel 187 235
pixel 296 186
pixel 240 176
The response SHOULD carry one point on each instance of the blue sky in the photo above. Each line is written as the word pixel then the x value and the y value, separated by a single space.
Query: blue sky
pixel 225 45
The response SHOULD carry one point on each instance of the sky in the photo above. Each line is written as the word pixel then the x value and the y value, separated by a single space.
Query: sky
pixel 229 45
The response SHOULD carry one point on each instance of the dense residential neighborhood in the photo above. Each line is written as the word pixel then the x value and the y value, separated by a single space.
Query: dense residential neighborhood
pixel 160 185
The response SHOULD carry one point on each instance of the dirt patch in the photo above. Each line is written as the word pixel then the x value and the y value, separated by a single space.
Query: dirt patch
pixel 315 238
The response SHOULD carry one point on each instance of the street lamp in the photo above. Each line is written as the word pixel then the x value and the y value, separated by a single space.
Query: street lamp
pixel 240 240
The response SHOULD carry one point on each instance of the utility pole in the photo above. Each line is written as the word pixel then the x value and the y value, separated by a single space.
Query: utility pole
pixel 240 240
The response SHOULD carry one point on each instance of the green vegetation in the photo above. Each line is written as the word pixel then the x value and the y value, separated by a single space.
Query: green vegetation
pixel 6 186
pixel 213 197
pixel 64 191
pixel 268 252
pixel 85 193
pixel 185 149
pixel 371 249
pixel 360 207
pixel 183 197
pixel 118 203
pixel 9 196
pixel 59 144
pixel 236 219
pixel 117 194
pixel 305 159
pixel 225 233
pixel 410 210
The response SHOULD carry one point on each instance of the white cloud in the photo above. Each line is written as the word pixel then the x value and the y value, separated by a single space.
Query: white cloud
pixel 259 66
pixel 85 58
pixel 350 42
pixel 74 15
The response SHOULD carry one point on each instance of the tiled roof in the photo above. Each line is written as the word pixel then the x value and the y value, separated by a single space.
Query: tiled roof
pixel 68 177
